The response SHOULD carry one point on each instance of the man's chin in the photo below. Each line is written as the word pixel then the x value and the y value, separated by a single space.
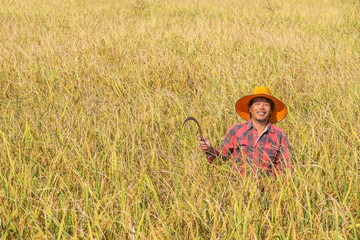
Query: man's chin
pixel 262 120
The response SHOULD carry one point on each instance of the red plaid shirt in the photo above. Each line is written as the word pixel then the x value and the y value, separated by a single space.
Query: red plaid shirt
pixel 262 154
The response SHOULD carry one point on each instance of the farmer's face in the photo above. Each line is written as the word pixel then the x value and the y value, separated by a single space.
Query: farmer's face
pixel 260 109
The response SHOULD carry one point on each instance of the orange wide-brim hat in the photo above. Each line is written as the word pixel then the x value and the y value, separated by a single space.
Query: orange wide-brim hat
pixel 278 114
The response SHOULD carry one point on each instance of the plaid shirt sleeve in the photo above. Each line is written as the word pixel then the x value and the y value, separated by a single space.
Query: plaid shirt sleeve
pixel 284 156
pixel 228 145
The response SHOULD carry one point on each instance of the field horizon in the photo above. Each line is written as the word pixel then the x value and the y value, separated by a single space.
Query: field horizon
pixel 94 94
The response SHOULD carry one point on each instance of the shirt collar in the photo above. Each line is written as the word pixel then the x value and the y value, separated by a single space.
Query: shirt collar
pixel 269 126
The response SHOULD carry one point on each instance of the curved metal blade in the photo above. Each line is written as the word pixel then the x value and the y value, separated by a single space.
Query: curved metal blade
pixel 197 123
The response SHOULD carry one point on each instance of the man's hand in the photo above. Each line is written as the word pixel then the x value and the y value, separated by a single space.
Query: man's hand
pixel 205 145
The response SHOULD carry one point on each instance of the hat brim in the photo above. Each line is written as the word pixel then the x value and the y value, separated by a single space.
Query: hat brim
pixel 278 114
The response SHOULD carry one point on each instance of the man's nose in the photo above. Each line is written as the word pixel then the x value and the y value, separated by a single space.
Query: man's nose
pixel 262 106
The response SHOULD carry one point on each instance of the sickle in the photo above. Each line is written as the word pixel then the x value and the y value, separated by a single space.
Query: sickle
pixel 197 123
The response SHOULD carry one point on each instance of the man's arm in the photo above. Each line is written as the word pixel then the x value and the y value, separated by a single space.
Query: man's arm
pixel 206 147
pixel 224 152
pixel 284 155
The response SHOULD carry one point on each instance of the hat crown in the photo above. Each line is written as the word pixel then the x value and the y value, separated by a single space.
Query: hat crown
pixel 261 90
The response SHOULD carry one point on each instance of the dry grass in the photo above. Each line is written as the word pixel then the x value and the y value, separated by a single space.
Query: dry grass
pixel 93 95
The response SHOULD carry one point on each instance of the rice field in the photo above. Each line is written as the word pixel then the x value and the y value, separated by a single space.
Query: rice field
pixel 93 95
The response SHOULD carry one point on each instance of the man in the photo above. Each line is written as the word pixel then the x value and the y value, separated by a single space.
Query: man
pixel 256 146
